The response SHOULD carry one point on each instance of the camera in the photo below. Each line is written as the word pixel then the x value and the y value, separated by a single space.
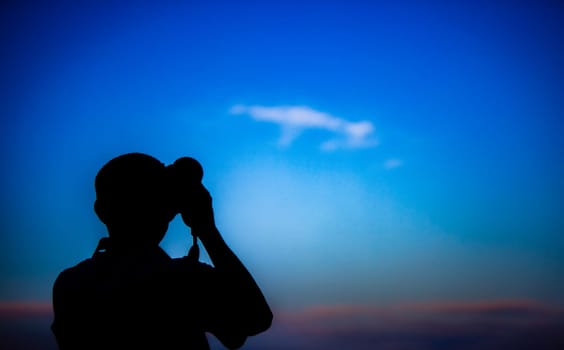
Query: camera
pixel 185 176
pixel 187 169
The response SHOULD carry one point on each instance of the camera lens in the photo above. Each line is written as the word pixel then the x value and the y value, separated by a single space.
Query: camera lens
pixel 189 169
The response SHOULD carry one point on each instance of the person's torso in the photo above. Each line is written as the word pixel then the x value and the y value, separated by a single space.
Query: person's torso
pixel 129 302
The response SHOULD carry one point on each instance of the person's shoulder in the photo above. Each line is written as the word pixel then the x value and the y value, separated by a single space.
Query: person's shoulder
pixel 78 273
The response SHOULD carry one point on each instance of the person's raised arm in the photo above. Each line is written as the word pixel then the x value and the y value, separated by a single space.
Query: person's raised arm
pixel 252 313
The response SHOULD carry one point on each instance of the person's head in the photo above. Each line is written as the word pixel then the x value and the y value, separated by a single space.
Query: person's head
pixel 132 199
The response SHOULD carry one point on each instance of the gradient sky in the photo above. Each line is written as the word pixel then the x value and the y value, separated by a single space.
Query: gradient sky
pixel 358 152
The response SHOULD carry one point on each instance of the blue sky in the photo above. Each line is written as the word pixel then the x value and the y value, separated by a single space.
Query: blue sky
pixel 358 153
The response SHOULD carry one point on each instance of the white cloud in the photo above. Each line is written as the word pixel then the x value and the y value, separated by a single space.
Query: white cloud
pixel 295 119
pixel 392 163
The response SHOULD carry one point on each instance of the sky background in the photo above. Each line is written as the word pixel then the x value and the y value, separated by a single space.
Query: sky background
pixel 362 156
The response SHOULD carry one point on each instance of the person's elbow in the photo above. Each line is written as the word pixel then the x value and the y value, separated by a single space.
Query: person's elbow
pixel 252 327
pixel 242 327
pixel 260 323
pixel 234 341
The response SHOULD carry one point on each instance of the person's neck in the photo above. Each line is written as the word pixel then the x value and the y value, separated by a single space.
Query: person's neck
pixel 129 247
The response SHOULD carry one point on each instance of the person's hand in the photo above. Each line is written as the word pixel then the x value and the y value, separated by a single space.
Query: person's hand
pixel 198 211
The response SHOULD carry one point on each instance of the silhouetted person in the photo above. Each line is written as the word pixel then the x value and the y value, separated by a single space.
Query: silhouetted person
pixel 130 294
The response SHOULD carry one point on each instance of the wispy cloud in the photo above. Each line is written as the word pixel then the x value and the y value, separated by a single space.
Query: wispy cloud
pixel 293 120
pixel 392 163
